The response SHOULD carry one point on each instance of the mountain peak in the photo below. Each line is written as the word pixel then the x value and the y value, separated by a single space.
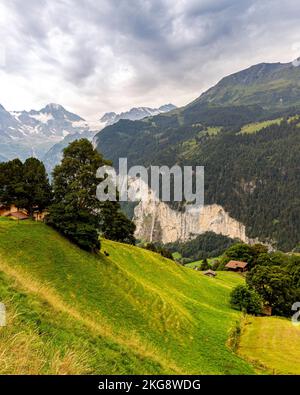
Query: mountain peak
pixel 53 107
pixel 267 84
pixel 2 109
pixel 136 113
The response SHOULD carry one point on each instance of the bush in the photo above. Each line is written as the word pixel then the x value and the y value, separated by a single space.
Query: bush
pixel 244 299
pixel 204 265
pixel 215 265
pixel 185 261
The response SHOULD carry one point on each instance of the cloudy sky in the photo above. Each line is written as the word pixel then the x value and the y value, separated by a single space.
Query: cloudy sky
pixel 94 56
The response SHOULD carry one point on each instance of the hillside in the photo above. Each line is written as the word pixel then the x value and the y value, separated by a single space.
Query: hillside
pixel 264 342
pixel 131 312
pixel 272 85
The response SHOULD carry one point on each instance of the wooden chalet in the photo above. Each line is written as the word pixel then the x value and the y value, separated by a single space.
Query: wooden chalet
pixel 237 266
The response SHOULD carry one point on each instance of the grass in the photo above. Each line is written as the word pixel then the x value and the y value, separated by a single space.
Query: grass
pixel 258 126
pixel 198 263
pixel 213 130
pixel 272 344
pixel 176 255
pixel 132 312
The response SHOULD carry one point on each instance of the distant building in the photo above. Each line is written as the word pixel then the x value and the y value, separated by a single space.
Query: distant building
pixel 210 273
pixel 6 210
pixel 20 214
pixel 237 266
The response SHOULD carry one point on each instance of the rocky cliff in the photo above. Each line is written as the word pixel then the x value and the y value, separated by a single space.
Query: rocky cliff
pixel 156 221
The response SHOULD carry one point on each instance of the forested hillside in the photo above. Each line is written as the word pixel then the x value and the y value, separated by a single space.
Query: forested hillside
pixel 251 151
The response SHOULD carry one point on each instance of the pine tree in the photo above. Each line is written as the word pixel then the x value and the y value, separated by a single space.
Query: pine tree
pixel 11 182
pixel 76 212
pixel 24 185
pixel 36 194
pixel 115 225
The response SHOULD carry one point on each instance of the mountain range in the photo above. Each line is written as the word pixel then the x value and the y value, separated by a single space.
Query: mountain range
pixel 244 130
pixel 46 132
pixel 135 113
pixel 33 133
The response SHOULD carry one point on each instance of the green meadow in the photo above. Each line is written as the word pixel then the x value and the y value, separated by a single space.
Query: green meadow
pixel 132 312
pixel 258 126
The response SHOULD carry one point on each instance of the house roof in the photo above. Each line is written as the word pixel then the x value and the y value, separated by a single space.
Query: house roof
pixel 209 271
pixel 236 265
pixel 18 215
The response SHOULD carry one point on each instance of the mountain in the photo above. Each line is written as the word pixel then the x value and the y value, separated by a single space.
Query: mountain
pixel 245 131
pixel 136 113
pixel 132 312
pixel 45 133
pixel 271 85
pixel 54 154
pixel 33 133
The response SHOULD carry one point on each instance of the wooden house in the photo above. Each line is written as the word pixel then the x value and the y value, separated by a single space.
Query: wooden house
pixel 237 266
pixel 210 273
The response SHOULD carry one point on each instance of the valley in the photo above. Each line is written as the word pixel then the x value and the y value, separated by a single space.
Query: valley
pixel 249 149
pixel 73 308
pixel 149 195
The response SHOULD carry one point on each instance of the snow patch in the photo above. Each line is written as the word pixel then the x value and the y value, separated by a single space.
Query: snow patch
pixel 91 125
pixel 42 117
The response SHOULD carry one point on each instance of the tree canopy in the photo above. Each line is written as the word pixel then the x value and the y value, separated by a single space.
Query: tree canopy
pixel 76 212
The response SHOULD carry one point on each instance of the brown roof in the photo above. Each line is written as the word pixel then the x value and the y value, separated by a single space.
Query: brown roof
pixel 18 215
pixel 236 264
pixel 209 271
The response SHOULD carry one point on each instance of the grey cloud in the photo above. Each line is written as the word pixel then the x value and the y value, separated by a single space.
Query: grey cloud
pixel 128 52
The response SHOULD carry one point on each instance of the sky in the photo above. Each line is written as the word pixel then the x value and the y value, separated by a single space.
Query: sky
pixel 95 56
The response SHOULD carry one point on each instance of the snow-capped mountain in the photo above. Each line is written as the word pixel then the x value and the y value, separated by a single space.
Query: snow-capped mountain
pixel 45 133
pixel 54 155
pixel 33 133
pixel 135 113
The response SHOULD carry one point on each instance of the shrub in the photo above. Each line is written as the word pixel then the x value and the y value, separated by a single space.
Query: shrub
pixel 244 299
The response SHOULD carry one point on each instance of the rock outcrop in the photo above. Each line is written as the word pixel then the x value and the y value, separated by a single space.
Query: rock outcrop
pixel 157 221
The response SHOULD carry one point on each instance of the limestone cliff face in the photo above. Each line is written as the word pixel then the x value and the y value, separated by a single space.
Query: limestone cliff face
pixel 156 221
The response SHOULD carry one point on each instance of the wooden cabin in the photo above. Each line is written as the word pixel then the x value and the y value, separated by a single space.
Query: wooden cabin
pixel 20 214
pixel 267 310
pixel 6 210
pixel 237 266
pixel 210 273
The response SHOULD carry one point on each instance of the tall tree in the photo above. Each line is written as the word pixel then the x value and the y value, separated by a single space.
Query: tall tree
pixel 275 285
pixel 11 182
pixel 36 194
pixel 76 212
pixel 115 225
pixel 24 185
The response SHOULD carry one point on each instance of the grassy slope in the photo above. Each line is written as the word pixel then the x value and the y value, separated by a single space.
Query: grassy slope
pixel 131 312
pixel 257 126
pixel 272 344
pixel 191 265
